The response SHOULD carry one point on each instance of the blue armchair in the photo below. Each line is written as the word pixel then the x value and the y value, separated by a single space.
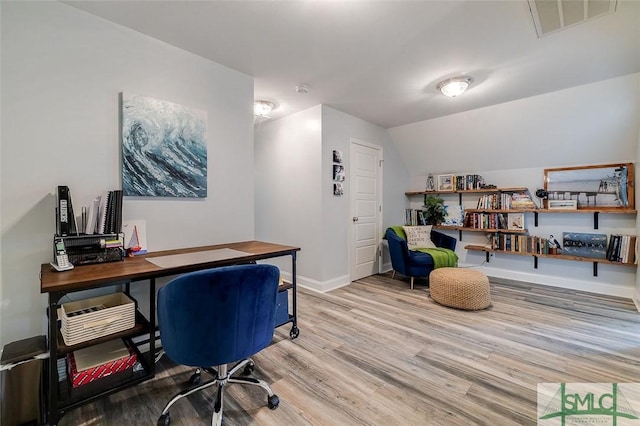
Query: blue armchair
pixel 414 263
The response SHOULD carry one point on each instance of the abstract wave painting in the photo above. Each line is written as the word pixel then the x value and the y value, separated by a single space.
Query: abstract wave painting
pixel 164 149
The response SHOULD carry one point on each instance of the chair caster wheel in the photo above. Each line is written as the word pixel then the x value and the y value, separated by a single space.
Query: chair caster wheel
pixel 273 401
pixel 295 332
pixel 248 369
pixel 164 420
pixel 195 378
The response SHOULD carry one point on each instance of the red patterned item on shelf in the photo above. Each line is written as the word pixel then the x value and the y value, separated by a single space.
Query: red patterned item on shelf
pixel 123 362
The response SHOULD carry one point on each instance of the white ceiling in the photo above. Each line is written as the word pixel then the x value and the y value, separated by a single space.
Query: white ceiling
pixel 382 60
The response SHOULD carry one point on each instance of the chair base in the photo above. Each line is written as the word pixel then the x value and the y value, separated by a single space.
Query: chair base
pixel 222 377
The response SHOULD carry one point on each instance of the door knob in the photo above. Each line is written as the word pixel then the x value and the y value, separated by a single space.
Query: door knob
pixel 355 218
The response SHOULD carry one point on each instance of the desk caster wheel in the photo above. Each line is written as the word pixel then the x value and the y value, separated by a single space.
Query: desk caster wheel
pixel 273 401
pixel 295 332
pixel 248 369
pixel 164 420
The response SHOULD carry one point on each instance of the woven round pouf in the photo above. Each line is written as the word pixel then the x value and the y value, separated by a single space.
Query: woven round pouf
pixel 460 288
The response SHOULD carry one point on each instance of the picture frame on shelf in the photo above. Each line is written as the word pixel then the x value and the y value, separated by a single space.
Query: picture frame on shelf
pixel 584 244
pixel 562 204
pixel 431 186
pixel 445 183
pixel 453 215
pixel 599 187
pixel 515 221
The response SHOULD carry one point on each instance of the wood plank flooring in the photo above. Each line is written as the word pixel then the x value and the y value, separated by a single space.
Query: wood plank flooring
pixel 378 353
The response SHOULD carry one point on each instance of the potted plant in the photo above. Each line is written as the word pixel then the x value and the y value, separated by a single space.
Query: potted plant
pixel 434 210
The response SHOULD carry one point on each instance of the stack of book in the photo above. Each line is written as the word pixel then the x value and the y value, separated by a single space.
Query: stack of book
pixel 530 244
pixel 486 220
pixel 414 217
pixel 622 248
pixel 467 182
pixel 105 214
pixel 521 200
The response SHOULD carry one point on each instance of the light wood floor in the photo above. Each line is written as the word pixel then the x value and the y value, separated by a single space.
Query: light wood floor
pixel 377 353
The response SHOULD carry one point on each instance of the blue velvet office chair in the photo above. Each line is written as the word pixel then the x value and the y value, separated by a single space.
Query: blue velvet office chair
pixel 212 318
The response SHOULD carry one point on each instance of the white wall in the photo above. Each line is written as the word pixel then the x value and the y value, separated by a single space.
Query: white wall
pixel 511 144
pixel 590 124
pixel 294 189
pixel 338 129
pixel 62 71
pixel 288 180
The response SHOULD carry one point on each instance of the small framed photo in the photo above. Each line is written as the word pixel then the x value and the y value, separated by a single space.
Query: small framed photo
pixel 337 156
pixel 445 183
pixel 562 204
pixel 338 189
pixel 515 221
pixel 338 173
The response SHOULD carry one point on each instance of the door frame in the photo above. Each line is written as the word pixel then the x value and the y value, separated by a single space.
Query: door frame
pixel 379 182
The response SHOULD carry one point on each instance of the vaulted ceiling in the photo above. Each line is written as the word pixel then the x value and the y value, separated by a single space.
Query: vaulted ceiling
pixel 381 61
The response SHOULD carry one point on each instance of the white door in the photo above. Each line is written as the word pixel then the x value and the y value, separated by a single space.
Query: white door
pixel 365 165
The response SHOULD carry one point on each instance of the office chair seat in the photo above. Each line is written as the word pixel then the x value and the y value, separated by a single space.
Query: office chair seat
pixel 212 318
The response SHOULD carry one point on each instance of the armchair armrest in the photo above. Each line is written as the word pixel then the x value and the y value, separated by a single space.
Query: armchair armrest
pixel 443 240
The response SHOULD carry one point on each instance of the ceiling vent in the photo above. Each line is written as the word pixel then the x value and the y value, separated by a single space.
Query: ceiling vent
pixel 553 15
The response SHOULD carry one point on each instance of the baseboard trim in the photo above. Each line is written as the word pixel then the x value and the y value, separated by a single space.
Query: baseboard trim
pixel 554 281
pixel 319 286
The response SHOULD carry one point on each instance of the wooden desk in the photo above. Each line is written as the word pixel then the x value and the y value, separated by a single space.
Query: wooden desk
pixel 130 270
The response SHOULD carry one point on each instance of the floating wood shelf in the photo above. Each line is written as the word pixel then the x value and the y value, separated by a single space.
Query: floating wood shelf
pixel 535 256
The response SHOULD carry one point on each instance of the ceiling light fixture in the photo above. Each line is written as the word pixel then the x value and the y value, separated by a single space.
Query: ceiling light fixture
pixel 455 86
pixel 262 108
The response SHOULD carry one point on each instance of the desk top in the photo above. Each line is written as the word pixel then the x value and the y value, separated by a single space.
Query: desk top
pixel 139 268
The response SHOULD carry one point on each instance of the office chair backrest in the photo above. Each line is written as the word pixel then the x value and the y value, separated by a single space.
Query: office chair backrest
pixel 218 316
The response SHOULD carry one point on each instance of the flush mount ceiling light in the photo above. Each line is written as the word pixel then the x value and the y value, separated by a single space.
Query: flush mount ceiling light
pixel 455 86
pixel 262 108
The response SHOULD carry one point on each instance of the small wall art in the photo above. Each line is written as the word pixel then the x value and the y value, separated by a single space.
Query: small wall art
pixel 164 148
pixel 338 173
pixel 337 156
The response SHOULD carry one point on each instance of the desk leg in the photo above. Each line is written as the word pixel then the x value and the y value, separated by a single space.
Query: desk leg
pixel 152 326
pixel 52 396
pixel 295 332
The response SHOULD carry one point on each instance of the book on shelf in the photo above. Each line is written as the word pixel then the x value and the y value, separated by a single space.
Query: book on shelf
pixel 466 182
pixel 529 244
pixel 487 220
pixel 622 248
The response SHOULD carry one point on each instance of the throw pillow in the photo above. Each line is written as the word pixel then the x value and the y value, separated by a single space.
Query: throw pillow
pixel 418 237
